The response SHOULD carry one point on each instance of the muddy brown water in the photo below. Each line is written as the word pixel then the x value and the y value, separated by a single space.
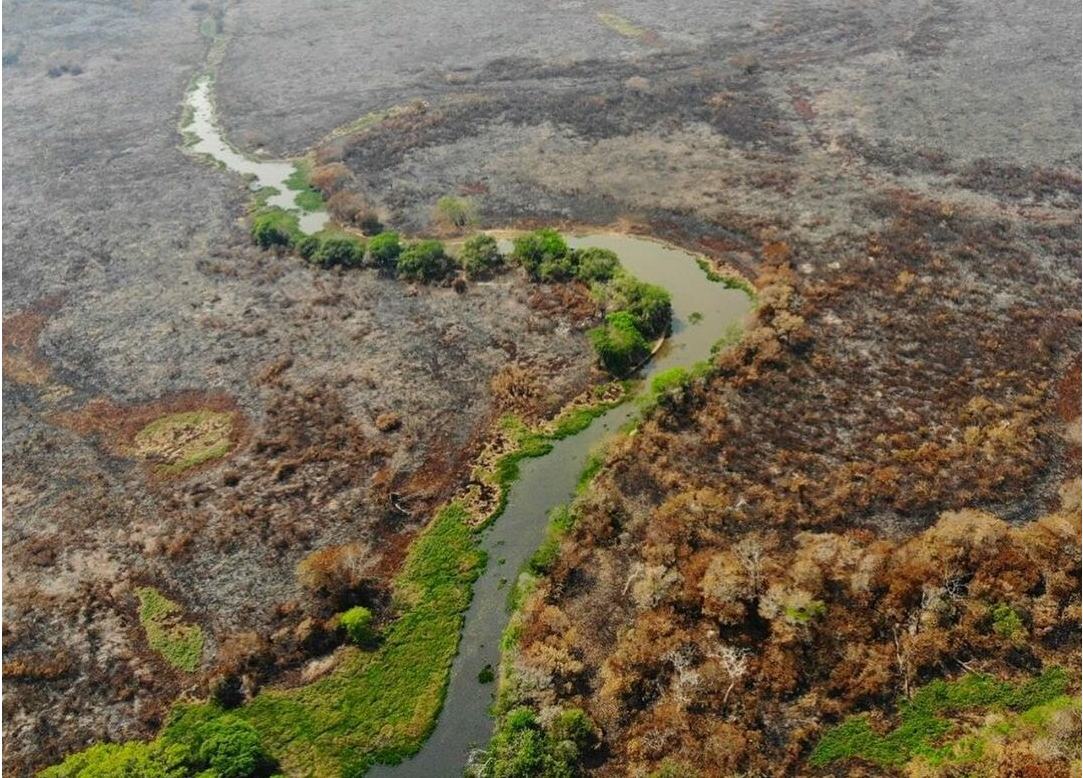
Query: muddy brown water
pixel 703 313
pixel 546 482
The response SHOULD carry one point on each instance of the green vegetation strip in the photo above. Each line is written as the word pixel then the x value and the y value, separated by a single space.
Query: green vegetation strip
pixel 923 719
pixel 179 644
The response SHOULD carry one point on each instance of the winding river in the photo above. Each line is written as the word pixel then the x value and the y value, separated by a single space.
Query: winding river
pixel 703 313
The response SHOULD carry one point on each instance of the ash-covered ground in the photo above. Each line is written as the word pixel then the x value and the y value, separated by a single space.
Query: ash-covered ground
pixel 131 287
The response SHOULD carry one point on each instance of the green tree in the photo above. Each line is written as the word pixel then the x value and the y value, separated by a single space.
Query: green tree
pixel 534 248
pixel 649 305
pixel 231 748
pixel 344 250
pixel 619 343
pixel 595 264
pixel 274 227
pixel 357 622
pixel 480 256
pixel 384 249
pixel 124 760
pixel 456 212
pixel 423 261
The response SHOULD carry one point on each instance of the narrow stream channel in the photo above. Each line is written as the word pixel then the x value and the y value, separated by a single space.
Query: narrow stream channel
pixel 703 312
pixel 262 172
pixel 549 481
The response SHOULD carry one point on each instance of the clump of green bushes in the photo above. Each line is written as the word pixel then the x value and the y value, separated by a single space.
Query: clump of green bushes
pixel 619 343
pixel 424 260
pixel 522 746
pixel 638 312
pixel 274 227
pixel 330 248
pixel 192 744
pixel 546 256
pixel 480 256
pixel 384 250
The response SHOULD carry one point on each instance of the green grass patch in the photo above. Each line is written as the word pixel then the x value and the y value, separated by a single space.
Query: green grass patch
pixel 184 440
pixel 307 198
pixel 923 722
pixel 1031 724
pixel 591 469
pixel 728 281
pixel 621 26
pixel 561 520
pixel 180 644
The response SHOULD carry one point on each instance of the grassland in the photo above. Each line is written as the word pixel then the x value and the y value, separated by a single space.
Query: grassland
pixel 180 644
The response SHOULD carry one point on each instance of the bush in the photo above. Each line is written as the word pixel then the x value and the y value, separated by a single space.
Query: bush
pixel 344 250
pixel 534 248
pixel 231 748
pixel 649 305
pixel 384 249
pixel 480 256
pixel 275 227
pixel 423 261
pixel 456 212
pixel 308 246
pixel 193 744
pixel 357 622
pixel 521 747
pixel 329 178
pixel 594 264
pixel 619 343
pixel 344 206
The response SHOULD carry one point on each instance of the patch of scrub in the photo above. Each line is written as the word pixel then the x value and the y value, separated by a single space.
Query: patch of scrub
pixel 184 440
pixel 179 643
pixel 621 26
pixel 924 720
pixel 379 704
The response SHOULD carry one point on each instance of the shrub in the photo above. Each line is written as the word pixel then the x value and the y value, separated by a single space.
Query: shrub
pixel 222 747
pixel 534 248
pixel 329 178
pixel 1006 622
pixel 308 246
pixel 352 209
pixel 480 256
pixel 557 269
pixel 423 261
pixel 357 622
pixel 344 250
pixel 595 264
pixel 275 227
pixel 521 747
pixel 456 212
pixel 384 249
pixel 231 748
pixel 619 343
pixel 649 305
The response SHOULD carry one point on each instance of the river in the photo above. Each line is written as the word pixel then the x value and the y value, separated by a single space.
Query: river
pixel 703 313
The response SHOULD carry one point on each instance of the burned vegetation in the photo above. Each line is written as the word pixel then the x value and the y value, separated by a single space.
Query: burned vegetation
pixel 825 557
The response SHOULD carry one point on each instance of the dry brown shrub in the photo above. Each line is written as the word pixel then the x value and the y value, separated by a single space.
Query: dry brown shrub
pixel 330 178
